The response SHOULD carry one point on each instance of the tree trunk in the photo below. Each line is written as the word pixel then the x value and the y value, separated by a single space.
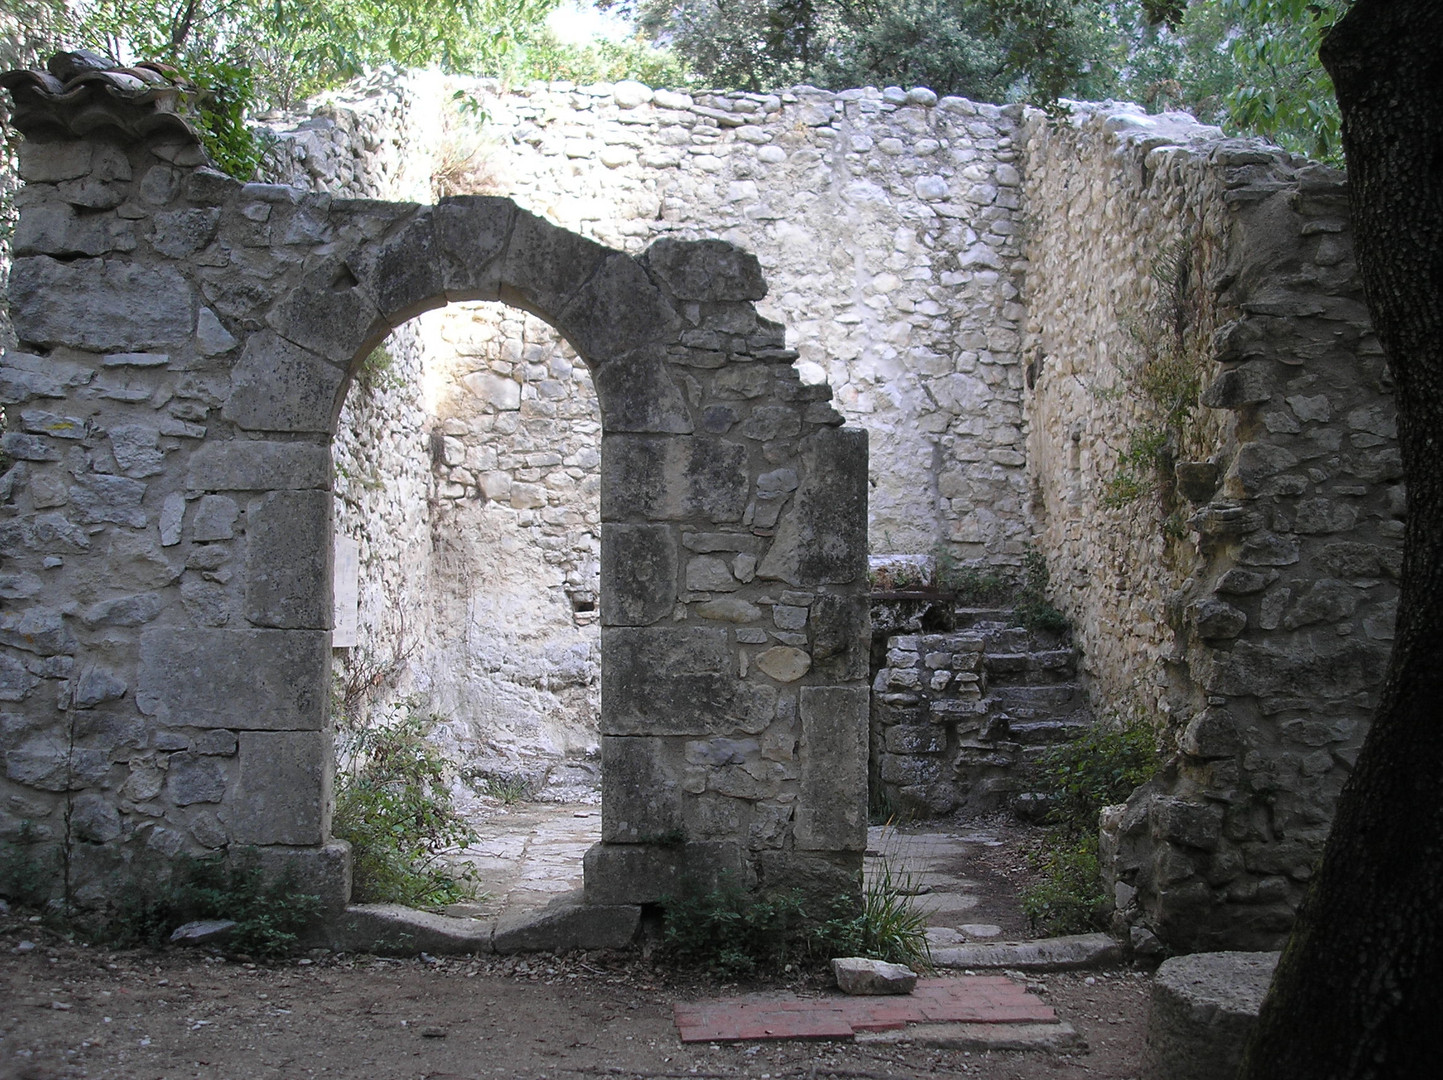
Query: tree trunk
pixel 1360 982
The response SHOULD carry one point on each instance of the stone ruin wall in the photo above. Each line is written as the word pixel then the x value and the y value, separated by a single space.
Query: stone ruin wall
pixel 891 230
pixel 1247 614
pixel 891 219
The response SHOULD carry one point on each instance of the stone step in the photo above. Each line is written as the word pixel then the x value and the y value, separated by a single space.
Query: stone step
pixel 1030 668
pixel 1047 954
pixel 1027 703
pixel 1049 732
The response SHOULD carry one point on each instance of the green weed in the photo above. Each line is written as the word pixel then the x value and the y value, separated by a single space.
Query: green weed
pixel 270 915
pixel 1099 769
pixel 393 804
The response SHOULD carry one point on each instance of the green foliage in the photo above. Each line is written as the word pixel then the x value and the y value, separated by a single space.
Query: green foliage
pixel 23 874
pixel 1032 605
pixel 1069 899
pixel 732 931
pixel 377 373
pixel 1101 768
pixel 1172 346
pixel 393 804
pixel 269 914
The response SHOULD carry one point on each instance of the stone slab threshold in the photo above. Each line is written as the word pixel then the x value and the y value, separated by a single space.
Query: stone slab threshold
pixel 981 1012
pixel 1045 954
pixel 565 923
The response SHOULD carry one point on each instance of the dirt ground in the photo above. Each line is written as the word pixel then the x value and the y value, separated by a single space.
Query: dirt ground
pixel 69 1010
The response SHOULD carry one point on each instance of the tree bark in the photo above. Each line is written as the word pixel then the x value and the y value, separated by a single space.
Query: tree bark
pixel 1358 988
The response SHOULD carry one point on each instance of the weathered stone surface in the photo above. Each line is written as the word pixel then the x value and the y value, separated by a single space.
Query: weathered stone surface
pixel 401 272
pixel 638 574
pixel 708 270
pixel 252 465
pixel 566 924
pixel 647 873
pixel 637 393
pixel 329 314
pixel 784 663
pixel 288 560
pixel 203 932
pixel 470 235
pixel 1202 1011
pixel 665 680
pixel 283 788
pixel 859 975
pixel 1047 954
pixel 258 679
pixel 191 778
pixel 616 312
pixel 822 536
pixel 214 518
pixel 102 305
pixel 47 763
pixel 641 801
pixel 546 266
pixel 393 930
pixel 278 386
pixel 832 811
pixel 672 479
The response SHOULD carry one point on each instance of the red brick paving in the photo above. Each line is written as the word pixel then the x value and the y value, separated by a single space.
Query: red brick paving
pixel 977 999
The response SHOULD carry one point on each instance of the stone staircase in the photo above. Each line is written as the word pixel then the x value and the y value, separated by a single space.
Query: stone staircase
pixel 959 716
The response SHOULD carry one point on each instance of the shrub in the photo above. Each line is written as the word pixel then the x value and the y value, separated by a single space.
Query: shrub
pixel 732 931
pixel 269 914
pixel 1032 607
pixel 393 804
pixel 1079 778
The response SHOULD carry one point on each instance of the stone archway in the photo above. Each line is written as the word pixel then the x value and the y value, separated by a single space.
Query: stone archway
pixel 186 343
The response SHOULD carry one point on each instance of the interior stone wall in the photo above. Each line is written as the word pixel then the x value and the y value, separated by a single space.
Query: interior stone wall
pixel 1244 603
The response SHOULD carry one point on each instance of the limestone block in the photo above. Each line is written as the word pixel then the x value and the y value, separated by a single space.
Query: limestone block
pixel 638 574
pixel 96 686
pixel 672 479
pixel 672 680
pixel 135 449
pixel 278 386
pixel 617 312
pixel 641 800
pixel 323 871
pixel 283 788
pixel 1203 1009
pixel 707 573
pixel 822 535
pixel 255 465
pixel 545 266
pixel 566 924
pixel 103 305
pixel 329 313
pixel 859 975
pixel 94 819
pixel 401 272
pixel 707 270
pixel 636 392
pixel 470 236
pixel 258 679
pixel 784 663
pixel 15 681
pixel 38 630
pixel 648 873
pixel 215 518
pixel 832 809
pixel 48 764
pixel 98 498
pixel 211 336
pixel 820 875
pixel 288 560
pixel 178 234
pixel 841 637
pixel 191 778
pixel 731 609
pixel 52 162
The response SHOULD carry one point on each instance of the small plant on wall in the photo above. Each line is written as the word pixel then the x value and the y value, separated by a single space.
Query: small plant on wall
pixel 1166 376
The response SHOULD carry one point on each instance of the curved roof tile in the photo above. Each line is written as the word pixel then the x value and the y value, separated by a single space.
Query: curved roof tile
pixel 82 92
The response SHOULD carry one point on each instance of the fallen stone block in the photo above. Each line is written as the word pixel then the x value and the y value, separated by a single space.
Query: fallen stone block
pixel 861 976
pixel 204 932
pixel 1202 1011
pixel 1049 954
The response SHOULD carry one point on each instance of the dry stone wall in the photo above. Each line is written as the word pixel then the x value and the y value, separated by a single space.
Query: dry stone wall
pixel 1244 599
